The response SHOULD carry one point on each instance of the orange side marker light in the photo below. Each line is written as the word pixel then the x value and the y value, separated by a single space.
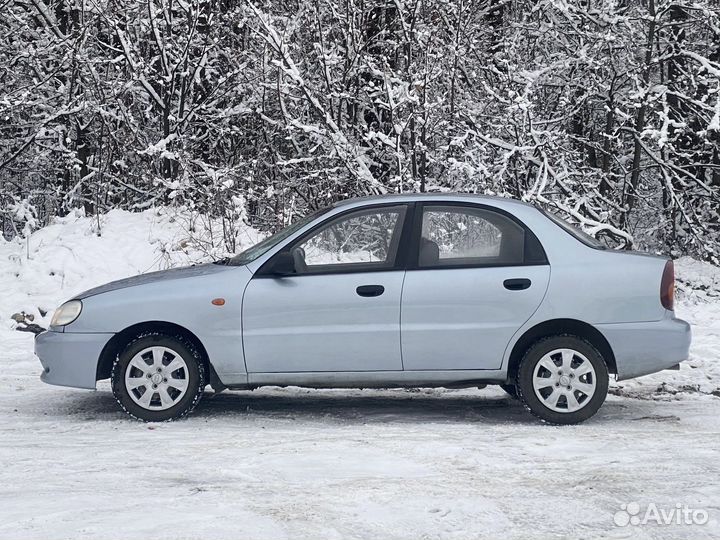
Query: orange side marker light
pixel 218 302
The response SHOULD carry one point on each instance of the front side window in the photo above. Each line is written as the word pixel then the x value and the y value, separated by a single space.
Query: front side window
pixel 262 247
pixel 362 240
pixel 467 236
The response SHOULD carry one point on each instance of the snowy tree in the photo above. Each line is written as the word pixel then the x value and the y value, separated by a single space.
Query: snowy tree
pixel 606 111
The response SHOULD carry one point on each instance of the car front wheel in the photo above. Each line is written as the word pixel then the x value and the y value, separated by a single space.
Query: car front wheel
pixel 158 377
pixel 562 379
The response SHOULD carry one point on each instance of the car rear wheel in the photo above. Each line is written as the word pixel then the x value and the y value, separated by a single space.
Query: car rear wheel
pixel 158 377
pixel 562 380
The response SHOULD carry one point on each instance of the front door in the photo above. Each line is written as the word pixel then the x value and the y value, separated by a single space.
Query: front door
pixel 477 277
pixel 340 310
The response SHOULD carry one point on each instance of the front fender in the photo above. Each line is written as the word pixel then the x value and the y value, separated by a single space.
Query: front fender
pixel 186 302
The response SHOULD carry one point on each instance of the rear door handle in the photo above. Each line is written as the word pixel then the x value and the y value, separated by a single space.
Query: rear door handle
pixel 517 284
pixel 370 290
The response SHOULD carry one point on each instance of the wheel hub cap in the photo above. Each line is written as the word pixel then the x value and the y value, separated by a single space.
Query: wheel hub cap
pixel 564 380
pixel 156 378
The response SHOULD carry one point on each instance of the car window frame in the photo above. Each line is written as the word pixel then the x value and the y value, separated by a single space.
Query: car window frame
pixel 288 232
pixel 401 255
pixel 414 251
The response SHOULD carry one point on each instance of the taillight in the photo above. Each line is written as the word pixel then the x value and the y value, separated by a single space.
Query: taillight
pixel 667 286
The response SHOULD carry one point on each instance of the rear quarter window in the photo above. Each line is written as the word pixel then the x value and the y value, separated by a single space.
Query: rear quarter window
pixel 574 231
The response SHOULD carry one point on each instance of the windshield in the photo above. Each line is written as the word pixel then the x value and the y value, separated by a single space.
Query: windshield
pixel 252 253
pixel 575 231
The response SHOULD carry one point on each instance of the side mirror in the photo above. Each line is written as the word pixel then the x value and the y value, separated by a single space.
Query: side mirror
pixel 283 264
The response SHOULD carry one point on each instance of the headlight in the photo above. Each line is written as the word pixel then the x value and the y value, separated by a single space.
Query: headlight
pixel 66 313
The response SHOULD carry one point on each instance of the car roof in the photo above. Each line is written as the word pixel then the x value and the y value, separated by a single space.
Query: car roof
pixel 431 196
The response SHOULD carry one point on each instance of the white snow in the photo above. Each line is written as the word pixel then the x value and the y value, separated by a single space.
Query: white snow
pixel 76 253
pixel 293 463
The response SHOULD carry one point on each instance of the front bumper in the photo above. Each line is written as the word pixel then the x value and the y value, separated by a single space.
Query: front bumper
pixel 648 347
pixel 70 359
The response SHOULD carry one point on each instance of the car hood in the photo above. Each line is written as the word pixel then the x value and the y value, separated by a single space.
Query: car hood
pixel 152 277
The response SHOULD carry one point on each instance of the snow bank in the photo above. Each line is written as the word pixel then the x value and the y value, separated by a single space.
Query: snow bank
pixel 697 281
pixel 76 253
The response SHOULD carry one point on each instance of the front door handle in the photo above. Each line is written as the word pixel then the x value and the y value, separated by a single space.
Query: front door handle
pixel 517 284
pixel 370 290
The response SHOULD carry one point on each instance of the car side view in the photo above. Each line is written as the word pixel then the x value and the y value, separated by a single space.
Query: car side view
pixel 429 290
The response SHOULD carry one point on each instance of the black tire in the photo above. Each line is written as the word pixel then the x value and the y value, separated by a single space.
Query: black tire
pixel 526 391
pixel 195 375
pixel 510 389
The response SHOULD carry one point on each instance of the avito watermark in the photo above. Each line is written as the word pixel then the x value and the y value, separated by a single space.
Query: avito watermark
pixel 680 514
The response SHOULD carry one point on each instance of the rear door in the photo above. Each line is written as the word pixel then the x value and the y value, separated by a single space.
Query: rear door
pixel 475 276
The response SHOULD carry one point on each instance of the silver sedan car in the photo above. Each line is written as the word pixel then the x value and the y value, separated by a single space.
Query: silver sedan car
pixel 433 290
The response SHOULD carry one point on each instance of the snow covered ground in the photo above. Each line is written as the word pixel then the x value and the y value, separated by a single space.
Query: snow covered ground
pixel 456 464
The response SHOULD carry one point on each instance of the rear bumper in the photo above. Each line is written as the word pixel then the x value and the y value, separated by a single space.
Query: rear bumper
pixel 644 348
pixel 70 359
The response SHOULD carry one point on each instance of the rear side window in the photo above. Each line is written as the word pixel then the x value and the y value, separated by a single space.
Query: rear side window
pixel 472 236
pixel 576 232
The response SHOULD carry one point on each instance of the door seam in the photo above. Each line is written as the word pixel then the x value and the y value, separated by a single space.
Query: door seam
pixel 242 327
pixel 402 294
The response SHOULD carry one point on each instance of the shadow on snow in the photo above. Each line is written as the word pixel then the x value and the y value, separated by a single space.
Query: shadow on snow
pixel 345 406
